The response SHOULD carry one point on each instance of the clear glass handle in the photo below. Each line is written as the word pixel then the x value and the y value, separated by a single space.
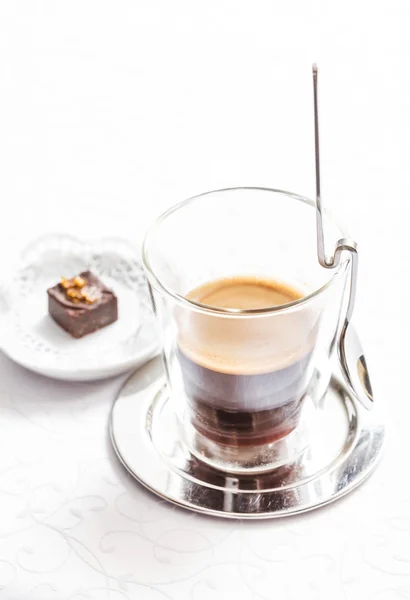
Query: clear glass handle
pixel 351 356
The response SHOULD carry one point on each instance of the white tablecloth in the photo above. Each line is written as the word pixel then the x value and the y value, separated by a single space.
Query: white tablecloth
pixel 112 111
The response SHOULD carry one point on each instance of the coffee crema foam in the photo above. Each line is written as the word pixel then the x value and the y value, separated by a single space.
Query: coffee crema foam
pixel 241 345
pixel 244 293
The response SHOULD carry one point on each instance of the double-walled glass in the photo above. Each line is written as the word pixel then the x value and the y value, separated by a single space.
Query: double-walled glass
pixel 239 378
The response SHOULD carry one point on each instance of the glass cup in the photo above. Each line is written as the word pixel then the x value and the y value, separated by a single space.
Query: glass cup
pixel 240 380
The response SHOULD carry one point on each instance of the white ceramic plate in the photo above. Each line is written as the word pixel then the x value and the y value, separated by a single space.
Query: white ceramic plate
pixel 30 337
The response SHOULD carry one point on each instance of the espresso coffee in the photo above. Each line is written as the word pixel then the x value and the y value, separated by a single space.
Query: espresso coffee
pixel 244 376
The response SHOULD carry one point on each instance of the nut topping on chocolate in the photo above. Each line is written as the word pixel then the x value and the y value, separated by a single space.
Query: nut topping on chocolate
pixel 77 290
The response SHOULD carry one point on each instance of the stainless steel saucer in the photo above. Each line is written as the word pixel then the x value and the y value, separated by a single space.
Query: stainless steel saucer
pixel 344 447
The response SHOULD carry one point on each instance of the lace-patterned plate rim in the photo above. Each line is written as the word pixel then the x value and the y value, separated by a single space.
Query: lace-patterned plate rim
pixel 32 339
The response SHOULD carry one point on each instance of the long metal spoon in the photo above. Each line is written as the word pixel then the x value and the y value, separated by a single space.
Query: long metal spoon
pixel 351 356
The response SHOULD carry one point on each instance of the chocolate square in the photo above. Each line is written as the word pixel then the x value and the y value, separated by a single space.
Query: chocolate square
pixel 79 317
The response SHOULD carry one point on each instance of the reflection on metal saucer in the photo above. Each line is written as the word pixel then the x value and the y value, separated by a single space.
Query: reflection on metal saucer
pixel 344 445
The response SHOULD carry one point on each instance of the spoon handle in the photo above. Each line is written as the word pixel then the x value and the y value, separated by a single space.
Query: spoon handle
pixel 351 357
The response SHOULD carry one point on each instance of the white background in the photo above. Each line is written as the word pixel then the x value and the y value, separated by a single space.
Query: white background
pixel 111 111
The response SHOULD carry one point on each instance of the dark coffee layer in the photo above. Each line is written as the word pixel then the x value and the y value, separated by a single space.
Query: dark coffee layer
pixel 244 392
pixel 244 410
pixel 244 429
